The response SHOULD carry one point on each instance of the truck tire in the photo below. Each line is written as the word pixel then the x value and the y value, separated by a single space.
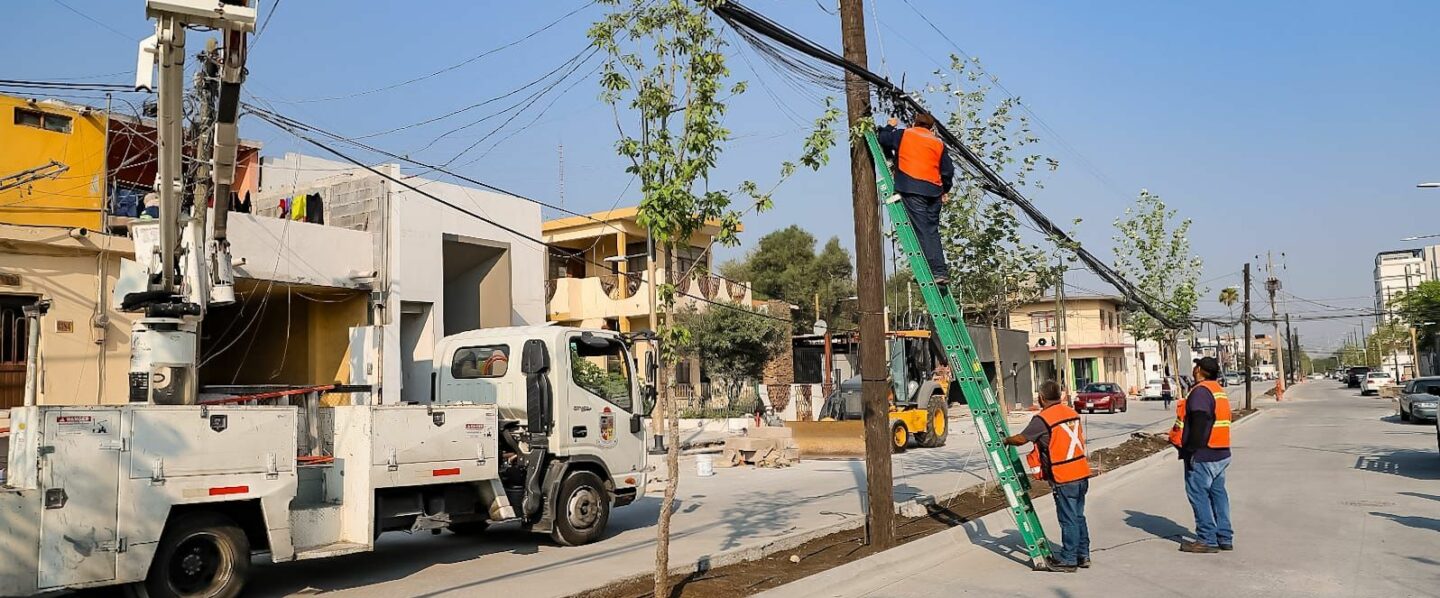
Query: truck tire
pixel 201 555
pixel 899 437
pixel 937 427
pixel 582 509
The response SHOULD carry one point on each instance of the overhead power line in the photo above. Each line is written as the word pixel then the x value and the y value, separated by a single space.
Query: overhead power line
pixel 748 21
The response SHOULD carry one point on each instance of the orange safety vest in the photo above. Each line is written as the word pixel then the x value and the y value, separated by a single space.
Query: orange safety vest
pixel 919 155
pixel 1220 432
pixel 1066 461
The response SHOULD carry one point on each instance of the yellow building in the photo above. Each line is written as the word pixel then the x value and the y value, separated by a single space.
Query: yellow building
pixel 35 134
pixel 63 164
pixel 596 276
pixel 598 263
pixel 1094 333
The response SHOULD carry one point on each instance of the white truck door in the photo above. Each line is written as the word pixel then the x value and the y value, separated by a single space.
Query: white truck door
pixel 599 398
pixel 80 489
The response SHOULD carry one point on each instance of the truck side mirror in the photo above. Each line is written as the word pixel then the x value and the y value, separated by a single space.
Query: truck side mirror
pixel 535 358
pixel 647 399
pixel 652 370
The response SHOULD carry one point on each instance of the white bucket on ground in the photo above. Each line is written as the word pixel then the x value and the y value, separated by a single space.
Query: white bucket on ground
pixel 704 465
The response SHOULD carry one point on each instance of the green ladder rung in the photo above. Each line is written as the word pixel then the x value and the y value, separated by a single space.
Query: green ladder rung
pixel 965 367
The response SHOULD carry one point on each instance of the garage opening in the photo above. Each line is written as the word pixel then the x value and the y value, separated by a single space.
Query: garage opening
pixel 477 284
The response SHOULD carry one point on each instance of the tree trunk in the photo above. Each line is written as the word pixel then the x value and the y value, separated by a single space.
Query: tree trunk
pixel 672 453
pixel 999 367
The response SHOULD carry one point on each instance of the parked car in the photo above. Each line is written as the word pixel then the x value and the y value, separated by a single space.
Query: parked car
pixel 1234 379
pixel 1156 389
pixel 1101 395
pixel 1375 380
pixel 1355 376
pixel 1418 399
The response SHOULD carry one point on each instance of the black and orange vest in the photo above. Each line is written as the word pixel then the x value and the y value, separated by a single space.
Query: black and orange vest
pixel 1220 432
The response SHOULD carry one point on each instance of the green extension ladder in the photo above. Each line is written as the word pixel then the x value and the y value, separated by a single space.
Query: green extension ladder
pixel 965 367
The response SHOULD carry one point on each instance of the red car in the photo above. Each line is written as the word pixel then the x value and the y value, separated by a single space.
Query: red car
pixel 1100 395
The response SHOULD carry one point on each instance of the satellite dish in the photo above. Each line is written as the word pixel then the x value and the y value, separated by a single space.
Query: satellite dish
pixel 821 327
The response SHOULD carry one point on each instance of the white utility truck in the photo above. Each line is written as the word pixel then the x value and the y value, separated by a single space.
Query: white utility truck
pixel 168 496
pixel 175 498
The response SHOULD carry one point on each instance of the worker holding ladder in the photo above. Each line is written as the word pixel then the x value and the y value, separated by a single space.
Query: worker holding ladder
pixel 1059 457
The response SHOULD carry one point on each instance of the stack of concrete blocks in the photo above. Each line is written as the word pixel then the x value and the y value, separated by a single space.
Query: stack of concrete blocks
pixel 769 446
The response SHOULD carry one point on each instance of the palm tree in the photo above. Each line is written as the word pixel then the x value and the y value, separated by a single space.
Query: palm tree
pixel 1228 297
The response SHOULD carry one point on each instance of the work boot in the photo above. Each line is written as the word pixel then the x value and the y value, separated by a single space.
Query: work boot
pixel 943 282
pixel 1198 548
pixel 1054 566
pixel 1084 562
pixel 1227 547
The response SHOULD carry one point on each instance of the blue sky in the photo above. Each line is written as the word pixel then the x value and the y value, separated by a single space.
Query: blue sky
pixel 1299 126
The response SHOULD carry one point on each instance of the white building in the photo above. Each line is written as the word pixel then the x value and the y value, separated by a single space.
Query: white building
pixel 440 269
pixel 1395 273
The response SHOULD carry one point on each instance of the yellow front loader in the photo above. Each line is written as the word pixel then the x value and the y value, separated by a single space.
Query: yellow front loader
pixel 917 420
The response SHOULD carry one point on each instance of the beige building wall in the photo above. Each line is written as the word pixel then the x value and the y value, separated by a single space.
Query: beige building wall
pixel 1093 331
pixel 84 343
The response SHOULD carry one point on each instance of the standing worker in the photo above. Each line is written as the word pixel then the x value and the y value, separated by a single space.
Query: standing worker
pixel 923 173
pixel 1202 434
pixel 1059 457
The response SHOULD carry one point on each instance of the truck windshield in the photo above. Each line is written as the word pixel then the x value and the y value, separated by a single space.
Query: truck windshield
pixel 604 372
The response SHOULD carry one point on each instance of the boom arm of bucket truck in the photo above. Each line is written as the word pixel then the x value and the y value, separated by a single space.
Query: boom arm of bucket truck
pixel 185 273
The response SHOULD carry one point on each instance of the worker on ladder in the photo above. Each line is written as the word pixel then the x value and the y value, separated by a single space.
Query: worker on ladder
pixel 923 174
pixel 1059 457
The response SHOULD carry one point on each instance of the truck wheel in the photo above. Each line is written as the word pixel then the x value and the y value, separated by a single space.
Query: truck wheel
pixel 469 528
pixel 937 427
pixel 582 509
pixel 201 555
pixel 899 437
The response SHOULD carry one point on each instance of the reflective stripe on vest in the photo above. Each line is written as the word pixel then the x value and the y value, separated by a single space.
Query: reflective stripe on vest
pixel 919 155
pixel 1066 460
pixel 1220 432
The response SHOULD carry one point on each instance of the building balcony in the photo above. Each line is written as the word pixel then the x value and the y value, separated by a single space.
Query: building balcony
pixel 628 295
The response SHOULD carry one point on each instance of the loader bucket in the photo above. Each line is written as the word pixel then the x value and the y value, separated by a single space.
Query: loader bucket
pixel 829 439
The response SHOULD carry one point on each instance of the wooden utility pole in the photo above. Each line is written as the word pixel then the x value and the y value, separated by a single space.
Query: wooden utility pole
pixel 1272 285
pixel 869 262
pixel 1245 317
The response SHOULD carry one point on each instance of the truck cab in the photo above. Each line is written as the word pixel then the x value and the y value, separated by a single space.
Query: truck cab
pixel 571 406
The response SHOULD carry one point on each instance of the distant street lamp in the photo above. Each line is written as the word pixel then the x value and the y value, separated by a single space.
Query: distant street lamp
pixel 1428 186
pixel 1419 237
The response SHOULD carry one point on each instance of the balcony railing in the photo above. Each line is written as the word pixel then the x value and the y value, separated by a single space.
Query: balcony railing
pixel 628 295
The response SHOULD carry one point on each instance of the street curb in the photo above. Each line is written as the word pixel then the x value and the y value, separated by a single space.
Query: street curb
pixel 746 554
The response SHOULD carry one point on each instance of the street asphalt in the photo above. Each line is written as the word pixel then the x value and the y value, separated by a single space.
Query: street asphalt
pixel 1331 496
pixel 736 509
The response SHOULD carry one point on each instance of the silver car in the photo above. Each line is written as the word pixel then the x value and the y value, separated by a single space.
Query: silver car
pixel 1418 399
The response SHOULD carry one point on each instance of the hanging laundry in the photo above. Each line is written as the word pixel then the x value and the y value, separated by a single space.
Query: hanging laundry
pixel 314 209
pixel 297 208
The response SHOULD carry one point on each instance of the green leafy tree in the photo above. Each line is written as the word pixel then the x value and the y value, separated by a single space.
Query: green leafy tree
pixel 1229 296
pixel 735 343
pixel 1385 342
pixel 1153 251
pixel 994 267
pixel 1420 307
pixel 784 265
pixel 665 76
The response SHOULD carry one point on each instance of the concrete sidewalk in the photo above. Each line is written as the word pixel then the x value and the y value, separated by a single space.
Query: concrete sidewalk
pixel 1331 496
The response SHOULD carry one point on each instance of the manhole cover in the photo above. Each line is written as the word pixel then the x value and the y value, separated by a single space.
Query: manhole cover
pixel 1369 504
